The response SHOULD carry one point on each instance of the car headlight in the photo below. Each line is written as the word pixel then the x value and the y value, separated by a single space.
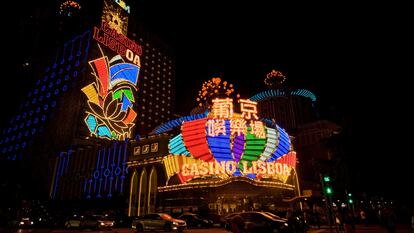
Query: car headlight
pixel 286 224
pixel 21 223
pixel 102 223
pixel 31 223
pixel 175 223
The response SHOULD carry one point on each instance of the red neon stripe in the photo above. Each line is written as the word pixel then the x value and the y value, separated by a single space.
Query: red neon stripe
pixel 288 159
pixel 103 74
pixel 130 117
pixel 195 139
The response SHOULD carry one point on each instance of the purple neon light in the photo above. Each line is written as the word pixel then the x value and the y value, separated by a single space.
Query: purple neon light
pixel 238 147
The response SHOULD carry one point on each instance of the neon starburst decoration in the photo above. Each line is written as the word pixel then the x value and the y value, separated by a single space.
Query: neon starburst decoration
pixel 214 88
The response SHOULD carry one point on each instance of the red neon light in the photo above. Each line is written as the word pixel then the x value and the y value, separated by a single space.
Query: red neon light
pixel 194 137
pixel 130 117
pixel 288 159
pixel 183 179
pixel 103 73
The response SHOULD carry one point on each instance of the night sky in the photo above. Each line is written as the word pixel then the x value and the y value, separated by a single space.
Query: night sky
pixel 351 57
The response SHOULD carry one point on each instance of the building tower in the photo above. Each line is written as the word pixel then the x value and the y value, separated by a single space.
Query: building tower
pixel 295 110
pixel 108 82
pixel 289 107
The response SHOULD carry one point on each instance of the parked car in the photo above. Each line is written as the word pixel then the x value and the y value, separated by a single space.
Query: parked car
pixel 73 222
pixel 218 220
pixel 26 222
pixel 195 220
pixel 227 220
pixel 158 221
pixel 263 222
pixel 122 221
pixel 96 222
pixel 257 222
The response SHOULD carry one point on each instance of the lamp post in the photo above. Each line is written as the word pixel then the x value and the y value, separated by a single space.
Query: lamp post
pixel 327 190
pixel 298 187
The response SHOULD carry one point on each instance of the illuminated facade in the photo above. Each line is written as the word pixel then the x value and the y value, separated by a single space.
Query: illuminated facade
pixel 103 88
pixel 157 90
pixel 212 154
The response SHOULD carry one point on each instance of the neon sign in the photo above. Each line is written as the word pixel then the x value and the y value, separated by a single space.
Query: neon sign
pixel 118 42
pixel 214 168
pixel 111 97
pixel 124 6
pixel 230 144
pixel 115 16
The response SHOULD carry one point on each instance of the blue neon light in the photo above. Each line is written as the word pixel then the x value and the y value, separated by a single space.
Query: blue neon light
pixel 177 146
pixel 177 122
pixel 283 147
pixel 275 93
pixel 124 72
pixel 220 145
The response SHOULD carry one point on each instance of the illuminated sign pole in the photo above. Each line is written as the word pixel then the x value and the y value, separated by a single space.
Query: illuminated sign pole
pixel 111 95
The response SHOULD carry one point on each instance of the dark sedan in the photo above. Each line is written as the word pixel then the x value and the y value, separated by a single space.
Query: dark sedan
pixel 158 221
pixel 258 222
pixel 196 221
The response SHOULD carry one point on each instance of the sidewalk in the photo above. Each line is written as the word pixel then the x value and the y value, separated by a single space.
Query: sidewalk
pixel 364 229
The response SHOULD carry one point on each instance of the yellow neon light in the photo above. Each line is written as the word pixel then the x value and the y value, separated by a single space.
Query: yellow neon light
pixel 144 172
pixel 238 126
pixel 130 193
pixel 216 127
pixel 92 93
pixel 258 129
pixel 201 168
pixel 248 109
pixel 222 108
pixel 150 186
pixel 174 164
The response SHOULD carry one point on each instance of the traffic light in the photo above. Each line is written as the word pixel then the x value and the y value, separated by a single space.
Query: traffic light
pixel 327 185
pixel 350 201
pixel 328 190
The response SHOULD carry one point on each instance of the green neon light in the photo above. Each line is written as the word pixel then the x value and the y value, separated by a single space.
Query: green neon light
pixel 127 92
pixel 254 148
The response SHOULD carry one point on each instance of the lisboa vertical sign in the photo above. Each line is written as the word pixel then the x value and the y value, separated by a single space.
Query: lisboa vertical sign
pixel 111 92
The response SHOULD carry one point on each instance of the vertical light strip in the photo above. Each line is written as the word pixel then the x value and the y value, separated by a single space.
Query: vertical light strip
pixel 271 144
pixel 130 193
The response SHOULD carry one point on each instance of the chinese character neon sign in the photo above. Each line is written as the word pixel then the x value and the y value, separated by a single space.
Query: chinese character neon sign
pixel 222 108
pixel 230 144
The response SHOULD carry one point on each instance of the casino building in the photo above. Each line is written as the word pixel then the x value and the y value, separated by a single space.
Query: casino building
pixel 226 159
pixel 97 126
pixel 108 82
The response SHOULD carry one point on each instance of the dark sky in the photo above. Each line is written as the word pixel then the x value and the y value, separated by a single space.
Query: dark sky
pixel 352 57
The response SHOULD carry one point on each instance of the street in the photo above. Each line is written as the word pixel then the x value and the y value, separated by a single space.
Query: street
pixel 324 229
pixel 117 230
pixel 365 229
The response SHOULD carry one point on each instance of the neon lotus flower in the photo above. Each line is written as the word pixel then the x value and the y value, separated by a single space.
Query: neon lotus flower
pixel 111 98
